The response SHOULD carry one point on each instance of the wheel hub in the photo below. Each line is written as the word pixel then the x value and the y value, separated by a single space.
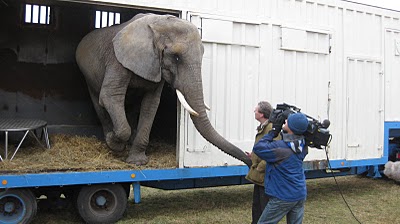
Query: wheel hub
pixel 9 207
pixel 101 201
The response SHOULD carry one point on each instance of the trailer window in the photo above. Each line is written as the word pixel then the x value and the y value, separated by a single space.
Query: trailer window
pixel 104 19
pixel 37 14
pixel 312 41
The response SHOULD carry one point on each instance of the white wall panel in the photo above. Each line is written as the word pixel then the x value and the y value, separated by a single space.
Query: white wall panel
pixel 266 62
pixel 392 75
pixel 363 33
pixel 321 83
pixel 337 90
pixel 297 11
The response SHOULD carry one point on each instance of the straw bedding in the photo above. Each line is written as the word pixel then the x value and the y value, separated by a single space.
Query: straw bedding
pixel 77 153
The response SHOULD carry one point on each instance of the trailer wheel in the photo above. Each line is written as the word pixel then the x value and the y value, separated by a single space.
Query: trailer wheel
pixel 102 203
pixel 17 206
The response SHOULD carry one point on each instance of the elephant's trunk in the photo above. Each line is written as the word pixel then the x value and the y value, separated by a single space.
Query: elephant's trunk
pixel 194 96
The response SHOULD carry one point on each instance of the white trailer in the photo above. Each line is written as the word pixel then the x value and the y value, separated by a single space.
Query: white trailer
pixel 334 59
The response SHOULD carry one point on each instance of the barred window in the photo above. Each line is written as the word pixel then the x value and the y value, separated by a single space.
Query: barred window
pixel 37 14
pixel 104 19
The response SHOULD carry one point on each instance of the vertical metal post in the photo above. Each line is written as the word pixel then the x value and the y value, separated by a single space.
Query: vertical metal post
pixel 40 9
pixel 6 144
pixel 136 192
pixel 31 17
pixel 46 137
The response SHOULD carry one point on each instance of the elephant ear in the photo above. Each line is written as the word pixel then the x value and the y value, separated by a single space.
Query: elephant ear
pixel 135 50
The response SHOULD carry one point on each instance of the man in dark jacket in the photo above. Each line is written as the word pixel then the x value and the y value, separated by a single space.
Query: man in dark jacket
pixel 256 173
pixel 285 182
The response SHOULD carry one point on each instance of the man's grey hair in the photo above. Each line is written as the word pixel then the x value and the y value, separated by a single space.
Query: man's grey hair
pixel 265 108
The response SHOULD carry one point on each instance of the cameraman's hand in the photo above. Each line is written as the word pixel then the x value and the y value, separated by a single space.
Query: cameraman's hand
pixel 277 124
pixel 276 129
pixel 280 120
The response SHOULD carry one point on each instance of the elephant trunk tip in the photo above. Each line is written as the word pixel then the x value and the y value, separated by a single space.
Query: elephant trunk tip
pixel 247 161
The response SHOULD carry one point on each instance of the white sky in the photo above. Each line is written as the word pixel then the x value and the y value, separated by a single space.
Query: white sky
pixel 389 4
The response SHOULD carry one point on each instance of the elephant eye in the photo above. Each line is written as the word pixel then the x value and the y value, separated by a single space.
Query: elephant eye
pixel 176 57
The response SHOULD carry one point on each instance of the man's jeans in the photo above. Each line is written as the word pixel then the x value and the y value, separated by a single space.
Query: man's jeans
pixel 276 209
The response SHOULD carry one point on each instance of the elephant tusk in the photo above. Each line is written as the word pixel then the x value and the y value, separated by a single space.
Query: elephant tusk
pixel 185 104
pixel 207 107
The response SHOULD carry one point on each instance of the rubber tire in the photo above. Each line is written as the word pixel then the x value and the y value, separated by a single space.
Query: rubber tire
pixel 116 199
pixel 27 205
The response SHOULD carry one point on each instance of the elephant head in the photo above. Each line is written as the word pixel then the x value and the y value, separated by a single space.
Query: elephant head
pixel 171 49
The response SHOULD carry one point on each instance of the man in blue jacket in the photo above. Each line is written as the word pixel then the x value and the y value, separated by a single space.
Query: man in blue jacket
pixel 285 182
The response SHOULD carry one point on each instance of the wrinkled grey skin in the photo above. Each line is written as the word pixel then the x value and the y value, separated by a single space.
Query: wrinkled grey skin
pixel 141 55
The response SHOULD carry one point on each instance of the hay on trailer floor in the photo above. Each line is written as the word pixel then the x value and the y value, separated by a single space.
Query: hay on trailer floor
pixel 77 153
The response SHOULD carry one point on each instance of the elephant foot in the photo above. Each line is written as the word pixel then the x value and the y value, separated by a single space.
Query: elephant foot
pixel 114 143
pixel 137 158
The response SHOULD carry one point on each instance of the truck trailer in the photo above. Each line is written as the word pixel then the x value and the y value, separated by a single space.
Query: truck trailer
pixel 334 59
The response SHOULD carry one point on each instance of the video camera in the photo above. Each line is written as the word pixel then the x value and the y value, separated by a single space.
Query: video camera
pixel 317 134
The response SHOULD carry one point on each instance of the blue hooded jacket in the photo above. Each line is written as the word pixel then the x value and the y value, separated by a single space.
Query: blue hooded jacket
pixel 284 175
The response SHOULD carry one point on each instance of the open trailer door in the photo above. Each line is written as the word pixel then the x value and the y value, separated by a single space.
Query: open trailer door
pixel 230 72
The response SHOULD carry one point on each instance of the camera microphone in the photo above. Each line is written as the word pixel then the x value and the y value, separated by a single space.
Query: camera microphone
pixel 325 123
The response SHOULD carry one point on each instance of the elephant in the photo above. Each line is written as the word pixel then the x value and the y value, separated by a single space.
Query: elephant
pixel 139 56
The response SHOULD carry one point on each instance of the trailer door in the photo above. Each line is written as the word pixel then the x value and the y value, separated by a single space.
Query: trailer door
pixel 392 78
pixel 365 117
pixel 230 76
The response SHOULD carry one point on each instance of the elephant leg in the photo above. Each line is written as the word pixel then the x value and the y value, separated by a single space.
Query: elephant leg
pixel 133 122
pixel 132 107
pixel 101 113
pixel 148 110
pixel 112 98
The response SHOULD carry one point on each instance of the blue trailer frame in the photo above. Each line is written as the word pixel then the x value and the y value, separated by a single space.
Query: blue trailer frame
pixel 177 178
pixel 168 179
pixel 182 178
pixel 159 178
pixel 153 176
